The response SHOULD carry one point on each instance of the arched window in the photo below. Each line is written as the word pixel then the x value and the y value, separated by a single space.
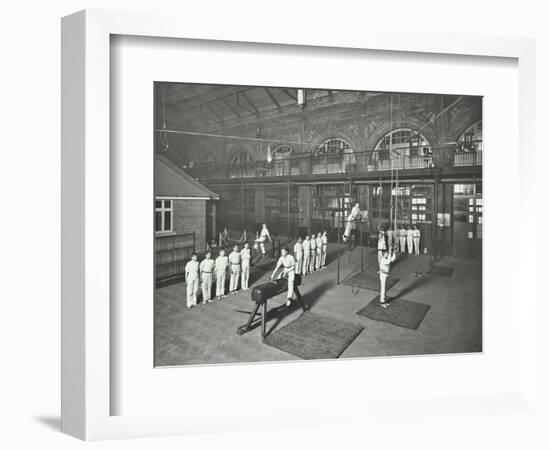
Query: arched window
pixel 472 138
pixel 332 156
pixel 469 147
pixel 241 165
pixel 283 163
pixel 403 148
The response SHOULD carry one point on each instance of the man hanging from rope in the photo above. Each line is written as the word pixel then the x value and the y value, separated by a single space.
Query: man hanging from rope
pixel 354 215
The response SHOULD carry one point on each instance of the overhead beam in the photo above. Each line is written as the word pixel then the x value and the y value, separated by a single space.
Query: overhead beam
pixel 250 103
pixel 290 94
pixel 231 107
pixel 214 113
pixel 272 97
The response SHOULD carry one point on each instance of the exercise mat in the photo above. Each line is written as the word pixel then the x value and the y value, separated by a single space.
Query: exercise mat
pixel 403 313
pixel 311 336
pixel 369 280
pixel 442 271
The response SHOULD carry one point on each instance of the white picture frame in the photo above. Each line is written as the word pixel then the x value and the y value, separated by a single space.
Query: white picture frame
pixel 86 282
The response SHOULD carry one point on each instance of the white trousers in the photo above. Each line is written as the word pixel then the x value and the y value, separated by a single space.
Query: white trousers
pixel 245 273
pixel 417 245
pixel 318 257
pixel 383 278
pixel 312 260
pixel 305 270
pixel 192 288
pixel 324 256
pixel 206 286
pixel 299 258
pixel 402 242
pixel 220 283
pixel 234 277
pixel 290 277
pixel 347 231
pixel 410 245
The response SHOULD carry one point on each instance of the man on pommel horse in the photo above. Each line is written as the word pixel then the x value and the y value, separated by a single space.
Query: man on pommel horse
pixel 286 280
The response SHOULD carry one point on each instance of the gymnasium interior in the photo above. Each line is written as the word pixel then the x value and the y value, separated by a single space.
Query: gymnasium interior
pixel 229 159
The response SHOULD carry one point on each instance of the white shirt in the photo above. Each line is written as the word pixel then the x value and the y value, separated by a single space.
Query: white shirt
pixel 409 233
pixel 235 258
pixel 207 265
pixel 298 248
pixel 416 233
pixel 287 262
pixel 221 263
pixel 319 243
pixel 265 233
pixel 245 255
pixel 354 213
pixel 324 239
pixel 385 263
pixel 192 269
pixel 306 245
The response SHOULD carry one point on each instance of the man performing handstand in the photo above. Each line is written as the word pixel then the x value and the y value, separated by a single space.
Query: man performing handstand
pixel 384 271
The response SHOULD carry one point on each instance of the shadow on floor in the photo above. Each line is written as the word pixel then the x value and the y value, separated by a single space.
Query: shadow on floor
pixel 51 422
pixel 310 299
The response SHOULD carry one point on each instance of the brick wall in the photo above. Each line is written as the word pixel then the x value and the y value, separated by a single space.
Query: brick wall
pixel 190 216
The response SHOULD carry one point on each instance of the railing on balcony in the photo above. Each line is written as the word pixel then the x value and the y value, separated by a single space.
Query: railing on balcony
pixel 356 163
pixel 468 158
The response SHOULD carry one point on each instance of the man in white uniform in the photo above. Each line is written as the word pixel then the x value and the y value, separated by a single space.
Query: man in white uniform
pixel 384 271
pixel 192 280
pixel 416 238
pixel 299 255
pixel 220 268
pixel 206 268
pixel 288 263
pixel 324 241
pixel 355 213
pixel 381 244
pixel 245 266
pixel 312 253
pixel 319 255
pixel 234 270
pixel 264 235
pixel 410 240
pixel 306 245
pixel 402 239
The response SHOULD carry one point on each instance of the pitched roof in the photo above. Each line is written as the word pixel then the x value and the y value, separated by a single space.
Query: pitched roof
pixel 171 181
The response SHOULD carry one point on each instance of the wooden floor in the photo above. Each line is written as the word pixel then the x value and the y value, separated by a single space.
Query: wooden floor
pixel 207 334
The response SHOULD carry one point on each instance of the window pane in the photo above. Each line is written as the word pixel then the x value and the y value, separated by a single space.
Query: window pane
pixel 167 221
pixel 158 204
pixel 168 204
pixel 158 221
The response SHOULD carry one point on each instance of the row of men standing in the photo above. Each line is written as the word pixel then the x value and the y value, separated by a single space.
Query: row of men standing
pixel 237 265
pixel 311 253
pixel 404 239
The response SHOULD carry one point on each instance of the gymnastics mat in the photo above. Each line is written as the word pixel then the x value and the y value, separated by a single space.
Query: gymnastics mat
pixel 402 313
pixel 370 281
pixel 311 336
pixel 442 271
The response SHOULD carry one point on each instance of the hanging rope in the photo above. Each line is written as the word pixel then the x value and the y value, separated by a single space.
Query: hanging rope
pixel 163 136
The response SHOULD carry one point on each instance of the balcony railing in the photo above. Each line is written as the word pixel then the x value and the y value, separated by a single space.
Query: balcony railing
pixel 305 164
pixel 468 158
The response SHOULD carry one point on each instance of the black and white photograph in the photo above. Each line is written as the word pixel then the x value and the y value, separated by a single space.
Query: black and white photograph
pixel 315 223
